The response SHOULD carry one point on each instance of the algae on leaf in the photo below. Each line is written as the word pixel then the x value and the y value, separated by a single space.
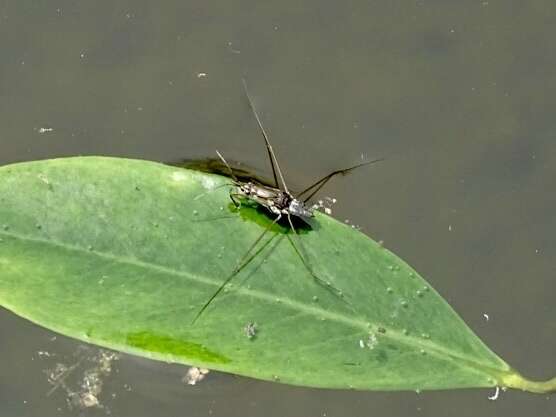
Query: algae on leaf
pixel 123 253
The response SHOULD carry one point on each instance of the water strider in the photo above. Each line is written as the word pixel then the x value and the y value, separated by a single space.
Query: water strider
pixel 278 200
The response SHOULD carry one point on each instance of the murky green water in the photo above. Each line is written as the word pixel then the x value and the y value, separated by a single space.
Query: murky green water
pixel 458 96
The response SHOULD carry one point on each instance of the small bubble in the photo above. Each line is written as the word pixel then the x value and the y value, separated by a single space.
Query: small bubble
pixel 411 275
pixel 372 341
pixel 278 300
pixel 390 267
pixel 396 267
pixel 250 330
pixel 389 290
pixel 425 336
pixel 422 352
pixel 219 256
pixel 276 377
pixel 315 298
pixel 5 227
pixel 425 288
pixel 195 212
pixel 419 293
pixel 90 247
pixel 404 304
pixel 405 332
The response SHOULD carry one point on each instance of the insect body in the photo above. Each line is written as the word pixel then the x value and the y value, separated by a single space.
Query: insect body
pixel 274 199
pixel 279 201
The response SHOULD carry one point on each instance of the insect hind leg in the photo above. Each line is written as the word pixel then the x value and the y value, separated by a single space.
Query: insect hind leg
pixel 325 284
pixel 246 258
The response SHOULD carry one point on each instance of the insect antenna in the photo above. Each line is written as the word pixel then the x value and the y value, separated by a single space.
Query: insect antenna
pixel 245 259
pixel 228 166
pixel 320 183
pixel 271 155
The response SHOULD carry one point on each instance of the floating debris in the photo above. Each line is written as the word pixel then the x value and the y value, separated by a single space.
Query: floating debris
pixel 194 375
pixel 325 204
pixel 494 396
pixel 82 391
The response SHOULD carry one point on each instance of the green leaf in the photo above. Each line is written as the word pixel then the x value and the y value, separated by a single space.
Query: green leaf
pixel 124 253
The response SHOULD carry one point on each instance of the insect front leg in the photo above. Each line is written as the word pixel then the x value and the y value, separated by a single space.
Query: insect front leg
pixel 237 203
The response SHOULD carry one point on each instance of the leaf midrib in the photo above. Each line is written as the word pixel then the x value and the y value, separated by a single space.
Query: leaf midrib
pixel 431 348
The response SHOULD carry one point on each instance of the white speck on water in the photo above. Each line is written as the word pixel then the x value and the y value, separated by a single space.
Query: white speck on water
pixel 494 396
pixel 45 130
pixel 486 316
pixel 361 344
pixel 201 75
pixel 232 49
pixel 449 228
